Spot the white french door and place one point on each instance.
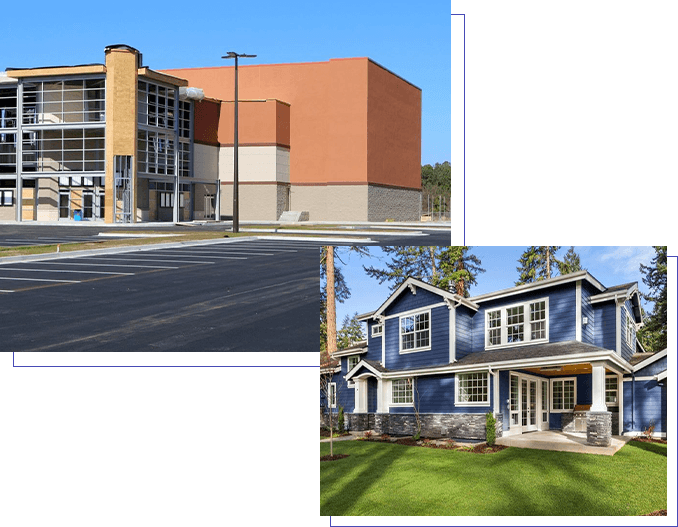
(527, 403)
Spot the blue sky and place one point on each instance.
(610, 265)
(414, 43)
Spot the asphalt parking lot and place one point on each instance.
(227, 294)
(253, 297)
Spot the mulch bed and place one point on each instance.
(479, 448)
(657, 513)
(333, 458)
(649, 440)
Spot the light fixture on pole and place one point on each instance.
(236, 222)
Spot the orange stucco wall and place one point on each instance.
(331, 108)
(259, 123)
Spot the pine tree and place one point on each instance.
(451, 268)
(351, 332)
(537, 263)
(570, 263)
(653, 333)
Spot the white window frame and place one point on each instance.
(332, 395)
(574, 400)
(616, 390)
(377, 330)
(414, 315)
(527, 324)
(348, 362)
(457, 383)
(409, 382)
(6, 198)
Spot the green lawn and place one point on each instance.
(389, 480)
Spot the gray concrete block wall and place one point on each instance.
(385, 203)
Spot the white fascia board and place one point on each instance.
(513, 364)
(423, 285)
(360, 364)
(325, 371)
(365, 316)
(558, 280)
(350, 351)
(660, 376)
(649, 360)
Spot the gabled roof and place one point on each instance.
(642, 360)
(372, 365)
(357, 348)
(413, 283)
(622, 293)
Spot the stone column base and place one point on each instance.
(599, 428)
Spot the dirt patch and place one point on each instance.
(333, 458)
(443, 444)
(657, 513)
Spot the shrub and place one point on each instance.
(367, 434)
(649, 430)
(490, 430)
(340, 420)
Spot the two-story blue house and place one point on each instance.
(559, 354)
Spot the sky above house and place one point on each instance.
(413, 43)
(609, 265)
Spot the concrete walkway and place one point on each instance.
(342, 438)
(563, 442)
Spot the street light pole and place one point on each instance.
(236, 211)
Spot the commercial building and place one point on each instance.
(120, 142)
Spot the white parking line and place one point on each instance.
(144, 260)
(6, 291)
(39, 280)
(107, 265)
(180, 255)
(62, 271)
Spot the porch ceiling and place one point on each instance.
(565, 370)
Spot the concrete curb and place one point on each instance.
(340, 233)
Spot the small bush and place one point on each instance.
(340, 420)
(367, 434)
(490, 430)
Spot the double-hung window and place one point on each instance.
(517, 324)
(377, 330)
(563, 394)
(630, 330)
(352, 361)
(473, 389)
(611, 391)
(415, 332)
(401, 392)
(332, 395)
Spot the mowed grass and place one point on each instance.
(392, 480)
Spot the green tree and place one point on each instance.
(451, 268)
(537, 263)
(653, 334)
(570, 263)
(351, 331)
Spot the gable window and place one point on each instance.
(377, 330)
(517, 324)
(401, 391)
(415, 332)
(563, 394)
(472, 389)
(611, 391)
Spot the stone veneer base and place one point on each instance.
(599, 428)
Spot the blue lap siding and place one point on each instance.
(644, 405)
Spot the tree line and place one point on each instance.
(457, 269)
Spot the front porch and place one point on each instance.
(563, 442)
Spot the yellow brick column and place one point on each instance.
(121, 119)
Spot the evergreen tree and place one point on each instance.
(653, 334)
(570, 263)
(458, 270)
(351, 331)
(537, 263)
(451, 268)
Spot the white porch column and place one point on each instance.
(598, 387)
(380, 396)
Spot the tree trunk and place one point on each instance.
(331, 305)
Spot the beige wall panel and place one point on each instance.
(7, 213)
(331, 202)
(257, 202)
(255, 163)
(48, 199)
(206, 161)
